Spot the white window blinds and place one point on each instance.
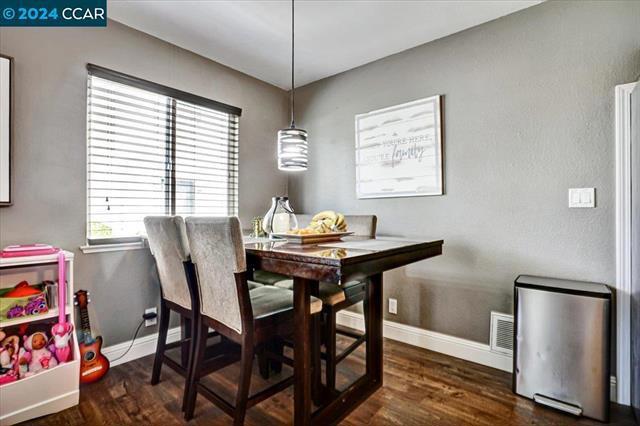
(153, 150)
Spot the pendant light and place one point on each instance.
(292, 142)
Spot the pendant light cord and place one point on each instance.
(293, 124)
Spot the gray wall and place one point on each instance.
(529, 113)
(49, 149)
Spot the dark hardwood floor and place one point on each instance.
(420, 388)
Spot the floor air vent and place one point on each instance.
(502, 333)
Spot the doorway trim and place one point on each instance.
(623, 241)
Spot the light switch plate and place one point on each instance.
(582, 197)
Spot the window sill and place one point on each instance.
(103, 248)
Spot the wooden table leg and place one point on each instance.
(374, 328)
(316, 366)
(365, 386)
(302, 350)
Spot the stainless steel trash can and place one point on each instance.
(562, 338)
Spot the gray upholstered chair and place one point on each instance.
(168, 243)
(170, 249)
(250, 319)
(335, 296)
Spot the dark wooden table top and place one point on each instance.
(337, 253)
(347, 259)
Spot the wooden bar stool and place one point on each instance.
(249, 319)
(335, 297)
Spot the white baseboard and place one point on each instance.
(613, 389)
(142, 346)
(438, 342)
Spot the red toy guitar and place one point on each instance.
(93, 365)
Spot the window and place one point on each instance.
(153, 150)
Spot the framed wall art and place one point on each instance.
(399, 150)
(5, 130)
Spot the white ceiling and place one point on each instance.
(331, 36)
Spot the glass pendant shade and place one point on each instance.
(292, 149)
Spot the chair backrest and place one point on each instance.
(360, 225)
(168, 244)
(217, 251)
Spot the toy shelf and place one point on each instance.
(9, 262)
(51, 313)
(52, 390)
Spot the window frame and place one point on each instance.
(173, 96)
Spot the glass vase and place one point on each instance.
(280, 218)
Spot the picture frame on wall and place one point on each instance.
(399, 150)
(6, 66)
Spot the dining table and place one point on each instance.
(342, 261)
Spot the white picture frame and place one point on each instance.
(5, 130)
(399, 150)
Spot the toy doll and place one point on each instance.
(9, 351)
(61, 338)
(37, 355)
(9, 347)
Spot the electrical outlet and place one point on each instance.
(152, 321)
(393, 306)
